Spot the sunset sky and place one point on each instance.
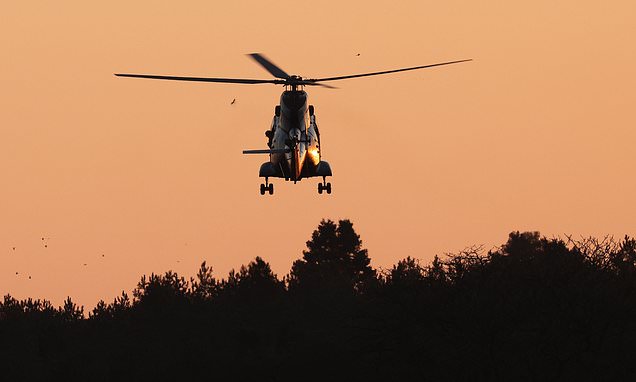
(537, 133)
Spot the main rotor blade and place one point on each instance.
(269, 66)
(201, 79)
(384, 72)
(309, 83)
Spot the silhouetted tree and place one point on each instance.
(204, 287)
(624, 259)
(119, 307)
(70, 311)
(161, 293)
(252, 282)
(435, 273)
(407, 273)
(334, 260)
(12, 309)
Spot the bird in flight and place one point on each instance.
(233, 101)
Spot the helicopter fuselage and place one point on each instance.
(295, 140)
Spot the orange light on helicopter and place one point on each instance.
(313, 153)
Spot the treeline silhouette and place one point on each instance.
(533, 309)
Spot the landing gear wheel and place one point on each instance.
(324, 186)
(267, 187)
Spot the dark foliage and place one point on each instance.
(533, 309)
(334, 261)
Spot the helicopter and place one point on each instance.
(293, 139)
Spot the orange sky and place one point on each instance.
(537, 133)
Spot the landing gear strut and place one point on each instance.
(269, 187)
(324, 186)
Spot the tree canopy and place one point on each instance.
(535, 308)
(334, 260)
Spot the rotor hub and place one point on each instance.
(294, 81)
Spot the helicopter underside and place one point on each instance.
(282, 169)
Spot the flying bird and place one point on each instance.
(233, 101)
